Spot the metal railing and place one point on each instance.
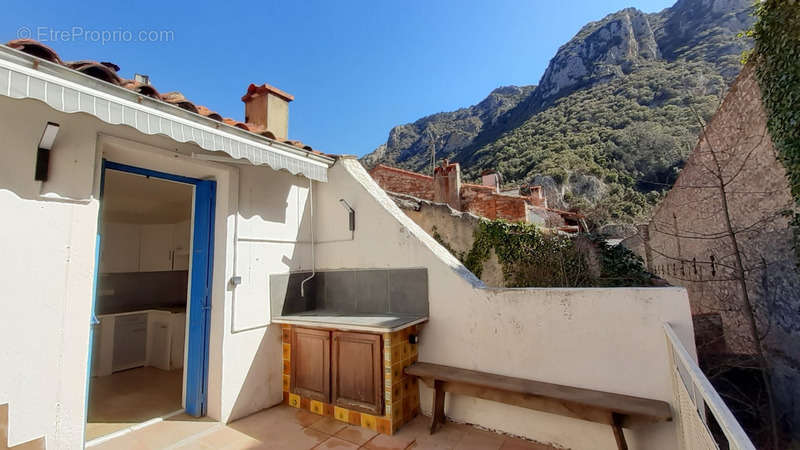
(693, 393)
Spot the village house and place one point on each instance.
(688, 244)
(484, 200)
(161, 263)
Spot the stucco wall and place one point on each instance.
(455, 228)
(45, 272)
(272, 237)
(689, 226)
(48, 262)
(605, 339)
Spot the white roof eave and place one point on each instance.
(66, 90)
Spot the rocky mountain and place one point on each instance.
(704, 30)
(447, 132)
(601, 51)
(612, 118)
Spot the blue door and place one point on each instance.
(199, 308)
(200, 298)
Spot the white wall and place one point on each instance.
(46, 271)
(272, 219)
(605, 339)
(47, 250)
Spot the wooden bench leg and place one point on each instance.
(437, 413)
(616, 425)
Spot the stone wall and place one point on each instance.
(398, 180)
(484, 201)
(686, 241)
(454, 229)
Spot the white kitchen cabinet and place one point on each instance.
(158, 339)
(178, 339)
(155, 248)
(119, 247)
(144, 338)
(127, 247)
(103, 346)
(181, 242)
(97, 339)
(130, 341)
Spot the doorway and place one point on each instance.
(149, 340)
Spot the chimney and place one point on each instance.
(537, 196)
(141, 78)
(491, 178)
(267, 108)
(447, 184)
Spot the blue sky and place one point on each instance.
(356, 68)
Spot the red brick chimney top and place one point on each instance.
(446, 168)
(254, 91)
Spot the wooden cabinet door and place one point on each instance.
(357, 372)
(311, 363)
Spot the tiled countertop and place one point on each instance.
(170, 309)
(377, 323)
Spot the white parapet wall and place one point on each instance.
(608, 339)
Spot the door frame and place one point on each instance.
(200, 281)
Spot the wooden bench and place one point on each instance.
(616, 410)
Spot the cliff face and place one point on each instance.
(447, 132)
(704, 30)
(661, 67)
(601, 51)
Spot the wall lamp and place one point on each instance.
(351, 212)
(43, 152)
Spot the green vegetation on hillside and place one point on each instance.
(531, 257)
(611, 120)
(633, 134)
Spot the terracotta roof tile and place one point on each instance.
(144, 89)
(203, 111)
(85, 62)
(107, 71)
(96, 70)
(177, 99)
(236, 123)
(35, 48)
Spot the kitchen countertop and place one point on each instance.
(377, 323)
(170, 309)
